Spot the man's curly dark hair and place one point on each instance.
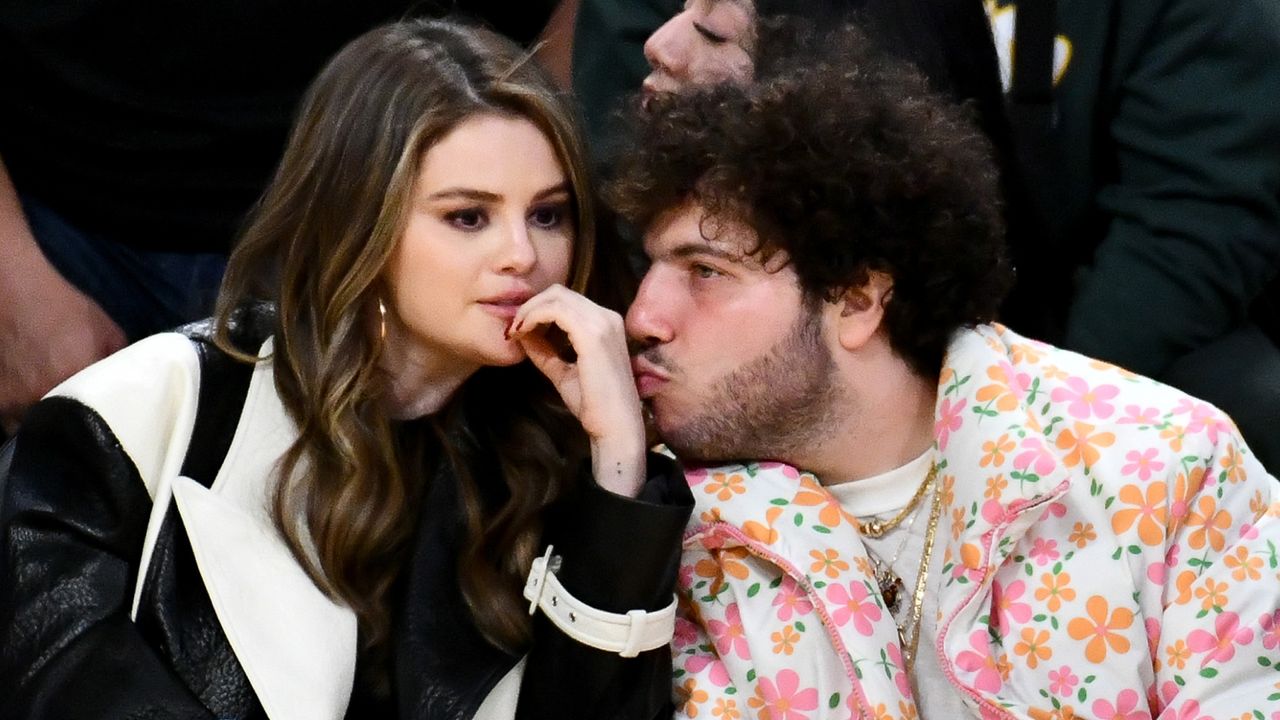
(849, 165)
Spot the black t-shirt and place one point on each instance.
(157, 124)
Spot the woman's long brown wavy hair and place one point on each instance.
(317, 248)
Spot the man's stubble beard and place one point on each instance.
(776, 407)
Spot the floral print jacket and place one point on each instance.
(1110, 550)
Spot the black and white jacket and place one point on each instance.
(224, 623)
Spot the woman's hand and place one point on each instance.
(594, 379)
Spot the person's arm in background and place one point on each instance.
(48, 328)
(1194, 210)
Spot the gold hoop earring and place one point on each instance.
(382, 321)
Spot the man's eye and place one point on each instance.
(468, 219)
(704, 271)
(548, 217)
(712, 37)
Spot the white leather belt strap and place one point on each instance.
(627, 634)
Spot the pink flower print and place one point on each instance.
(900, 674)
(979, 660)
(1270, 630)
(719, 674)
(1055, 509)
(783, 700)
(684, 578)
(1204, 418)
(1004, 598)
(1221, 643)
(1062, 682)
(992, 511)
(791, 600)
(1035, 456)
(853, 603)
(1142, 464)
(731, 636)
(949, 420)
(1190, 710)
(1152, 626)
(1136, 415)
(1125, 708)
(686, 634)
(1086, 402)
(1044, 551)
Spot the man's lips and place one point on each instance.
(648, 377)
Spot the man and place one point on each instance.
(931, 516)
(1143, 211)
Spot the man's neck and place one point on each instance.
(890, 424)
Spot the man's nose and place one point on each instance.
(648, 320)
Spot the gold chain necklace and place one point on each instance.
(910, 644)
(877, 528)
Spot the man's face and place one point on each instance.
(732, 362)
(707, 42)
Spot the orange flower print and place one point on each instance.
(907, 710)
(881, 712)
(1083, 443)
(1148, 510)
(1007, 390)
(1257, 505)
(1063, 713)
(812, 494)
(1183, 584)
(1053, 372)
(693, 696)
(1185, 488)
(726, 710)
(1100, 629)
(764, 532)
(828, 562)
(725, 485)
(1209, 522)
(1178, 654)
(994, 451)
(1175, 434)
(995, 486)
(1082, 534)
(957, 522)
(1025, 353)
(1055, 590)
(785, 640)
(948, 489)
(1243, 567)
(1212, 595)
(1034, 644)
(1233, 465)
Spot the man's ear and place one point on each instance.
(861, 310)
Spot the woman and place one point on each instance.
(328, 501)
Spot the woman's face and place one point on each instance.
(707, 42)
(490, 224)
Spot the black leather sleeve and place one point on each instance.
(618, 555)
(72, 521)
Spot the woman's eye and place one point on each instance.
(468, 219)
(547, 217)
(712, 37)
